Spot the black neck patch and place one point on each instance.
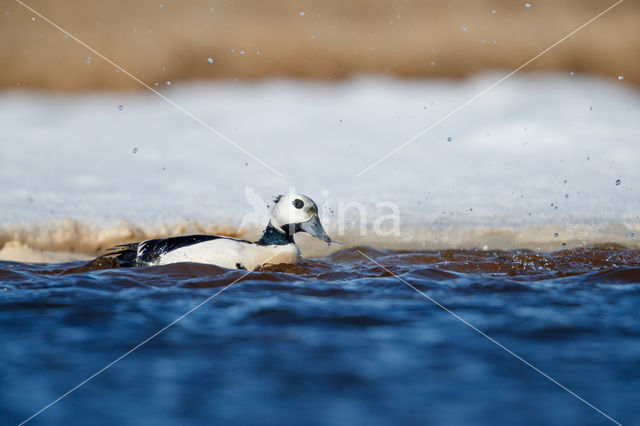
(274, 237)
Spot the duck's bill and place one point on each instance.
(314, 227)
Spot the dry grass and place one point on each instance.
(334, 39)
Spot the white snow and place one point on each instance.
(72, 159)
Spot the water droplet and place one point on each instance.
(120, 107)
(564, 181)
(433, 64)
(555, 235)
(168, 83)
(246, 163)
(33, 18)
(156, 84)
(449, 139)
(258, 52)
(564, 245)
(527, 5)
(301, 13)
(210, 60)
(571, 73)
(631, 234)
(161, 5)
(464, 28)
(618, 182)
(242, 52)
(135, 150)
(493, 11)
(620, 77)
(566, 195)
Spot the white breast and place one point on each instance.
(230, 253)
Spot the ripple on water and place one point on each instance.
(337, 336)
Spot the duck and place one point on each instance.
(291, 213)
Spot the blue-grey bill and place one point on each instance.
(314, 227)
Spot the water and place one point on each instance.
(335, 340)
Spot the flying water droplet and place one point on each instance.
(301, 13)
(120, 107)
(528, 5)
(210, 60)
(464, 28)
(555, 235)
(135, 150)
(620, 77)
(618, 182)
(564, 245)
(449, 139)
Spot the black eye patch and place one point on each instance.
(298, 203)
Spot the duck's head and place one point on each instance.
(295, 213)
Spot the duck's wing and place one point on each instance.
(149, 252)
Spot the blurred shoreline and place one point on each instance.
(166, 41)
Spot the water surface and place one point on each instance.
(337, 340)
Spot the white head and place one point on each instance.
(296, 212)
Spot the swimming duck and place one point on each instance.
(291, 213)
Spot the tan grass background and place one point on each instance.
(170, 40)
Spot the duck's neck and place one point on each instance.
(272, 236)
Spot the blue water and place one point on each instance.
(332, 341)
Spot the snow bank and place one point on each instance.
(538, 155)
